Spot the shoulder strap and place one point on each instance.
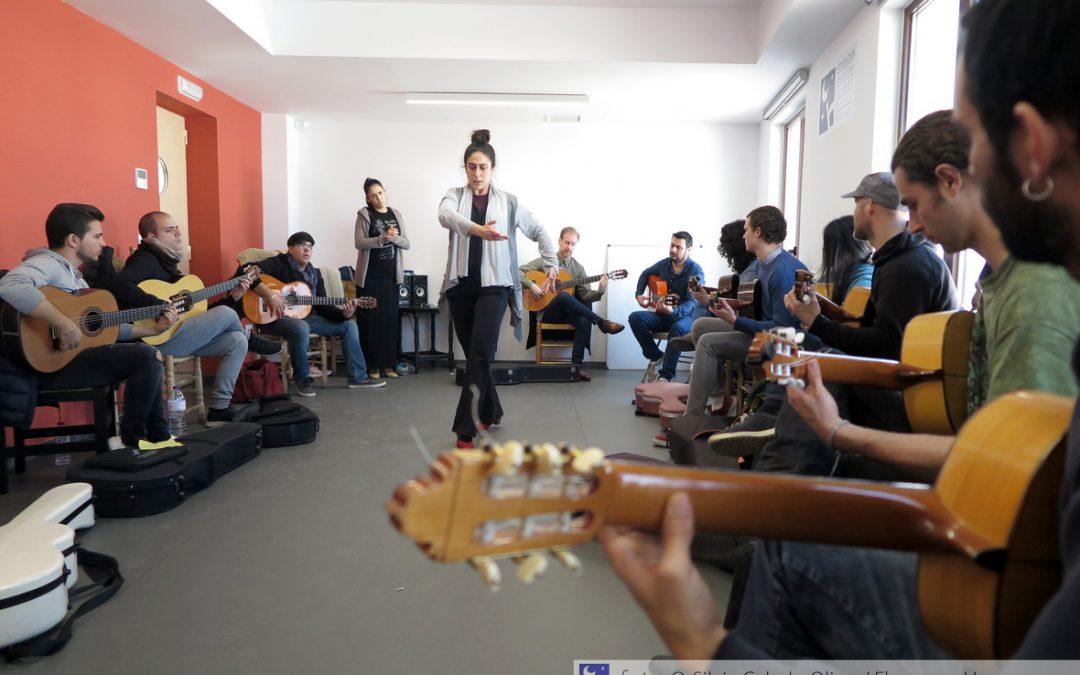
(104, 571)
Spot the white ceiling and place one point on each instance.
(637, 60)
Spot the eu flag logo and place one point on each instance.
(593, 669)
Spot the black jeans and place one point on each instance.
(379, 336)
(133, 362)
(565, 308)
(478, 314)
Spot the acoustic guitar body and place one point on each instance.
(258, 310)
(938, 342)
(1002, 479)
(169, 292)
(535, 304)
(32, 341)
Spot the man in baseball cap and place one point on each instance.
(879, 188)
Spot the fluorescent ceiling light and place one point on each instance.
(793, 86)
(458, 98)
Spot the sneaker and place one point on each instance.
(401, 368)
(652, 369)
(370, 383)
(583, 376)
(661, 379)
(389, 373)
(744, 438)
(305, 388)
(215, 417)
(660, 440)
(683, 343)
(262, 346)
(610, 327)
(374, 374)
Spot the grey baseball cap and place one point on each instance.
(880, 188)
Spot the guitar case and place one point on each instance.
(132, 489)
(40, 561)
(283, 422)
(649, 396)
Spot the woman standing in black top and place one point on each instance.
(380, 242)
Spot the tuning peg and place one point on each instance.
(508, 458)
(585, 461)
(568, 559)
(799, 337)
(530, 567)
(489, 572)
(548, 458)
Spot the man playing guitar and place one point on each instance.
(217, 332)
(574, 308)
(75, 237)
(675, 271)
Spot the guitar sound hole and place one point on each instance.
(92, 322)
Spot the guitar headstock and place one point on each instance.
(694, 284)
(367, 302)
(804, 286)
(777, 353)
(505, 501)
(616, 275)
(251, 272)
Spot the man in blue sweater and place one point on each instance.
(675, 320)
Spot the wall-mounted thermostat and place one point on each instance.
(142, 179)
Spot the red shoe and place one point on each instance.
(660, 440)
(465, 444)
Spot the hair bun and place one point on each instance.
(481, 136)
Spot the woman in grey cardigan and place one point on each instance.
(482, 276)
(380, 242)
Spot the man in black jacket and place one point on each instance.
(324, 320)
(216, 332)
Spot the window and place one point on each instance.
(791, 189)
(928, 82)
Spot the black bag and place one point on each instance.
(212, 453)
(283, 422)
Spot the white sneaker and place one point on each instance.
(651, 370)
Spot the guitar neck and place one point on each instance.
(318, 300)
(853, 513)
(215, 290)
(119, 317)
(861, 371)
(572, 283)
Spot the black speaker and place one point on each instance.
(419, 290)
(404, 290)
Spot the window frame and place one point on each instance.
(799, 117)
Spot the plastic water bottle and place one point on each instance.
(177, 409)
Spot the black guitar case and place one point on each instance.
(283, 422)
(124, 489)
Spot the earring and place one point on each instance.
(1025, 189)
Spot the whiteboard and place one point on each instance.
(623, 352)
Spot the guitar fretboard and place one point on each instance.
(216, 289)
(313, 300)
(570, 283)
(117, 318)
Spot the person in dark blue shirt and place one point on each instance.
(659, 317)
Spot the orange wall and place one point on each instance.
(78, 115)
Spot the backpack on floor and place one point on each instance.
(283, 422)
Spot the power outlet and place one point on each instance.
(142, 179)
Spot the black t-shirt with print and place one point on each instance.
(382, 262)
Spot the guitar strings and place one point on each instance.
(428, 461)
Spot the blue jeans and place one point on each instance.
(217, 332)
(347, 330)
(834, 602)
(644, 324)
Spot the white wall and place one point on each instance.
(834, 163)
(281, 178)
(616, 184)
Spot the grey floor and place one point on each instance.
(289, 564)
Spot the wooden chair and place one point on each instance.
(194, 377)
(553, 341)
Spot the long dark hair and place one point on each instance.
(732, 248)
(840, 252)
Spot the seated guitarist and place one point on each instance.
(295, 265)
(75, 237)
(572, 308)
(216, 332)
(676, 271)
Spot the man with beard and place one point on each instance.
(216, 332)
(1018, 99)
(75, 237)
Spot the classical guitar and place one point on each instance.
(850, 312)
(298, 301)
(36, 342)
(987, 530)
(188, 296)
(563, 284)
(658, 293)
(738, 296)
(931, 373)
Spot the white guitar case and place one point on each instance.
(38, 562)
